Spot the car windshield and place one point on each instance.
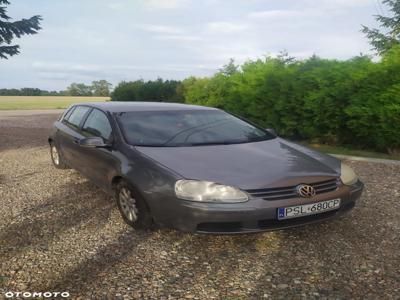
(182, 128)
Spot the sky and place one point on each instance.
(86, 40)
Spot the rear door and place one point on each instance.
(70, 135)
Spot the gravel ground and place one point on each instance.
(58, 232)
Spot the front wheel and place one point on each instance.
(57, 160)
(132, 207)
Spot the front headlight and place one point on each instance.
(206, 191)
(347, 175)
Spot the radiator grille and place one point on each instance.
(290, 191)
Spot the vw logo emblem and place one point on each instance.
(305, 191)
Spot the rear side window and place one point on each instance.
(68, 114)
(97, 124)
(77, 115)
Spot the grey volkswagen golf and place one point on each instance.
(199, 169)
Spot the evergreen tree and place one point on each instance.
(382, 41)
(14, 29)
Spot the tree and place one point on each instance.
(79, 89)
(229, 69)
(101, 88)
(127, 91)
(158, 90)
(285, 58)
(10, 30)
(382, 41)
(31, 91)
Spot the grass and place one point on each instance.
(349, 151)
(43, 102)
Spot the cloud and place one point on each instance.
(76, 71)
(116, 6)
(165, 4)
(131, 39)
(161, 29)
(341, 3)
(177, 37)
(333, 46)
(62, 71)
(226, 27)
(275, 14)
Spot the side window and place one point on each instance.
(68, 114)
(77, 115)
(97, 124)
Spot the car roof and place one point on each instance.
(116, 107)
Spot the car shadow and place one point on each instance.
(212, 260)
(92, 269)
(307, 259)
(39, 225)
(192, 257)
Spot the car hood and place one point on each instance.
(274, 162)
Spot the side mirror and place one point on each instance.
(93, 142)
(272, 131)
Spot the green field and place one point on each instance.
(44, 102)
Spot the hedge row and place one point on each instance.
(152, 90)
(353, 102)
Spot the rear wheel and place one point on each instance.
(132, 207)
(56, 158)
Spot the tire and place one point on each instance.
(56, 158)
(132, 207)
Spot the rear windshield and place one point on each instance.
(187, 128)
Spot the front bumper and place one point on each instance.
(256, 215)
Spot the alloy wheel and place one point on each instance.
(54, 155)
(128, 204)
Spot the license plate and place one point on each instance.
(307, 209)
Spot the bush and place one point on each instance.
(353, 102)
(139, 90)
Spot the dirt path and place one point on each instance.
(29, 112)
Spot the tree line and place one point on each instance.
(99, 88)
